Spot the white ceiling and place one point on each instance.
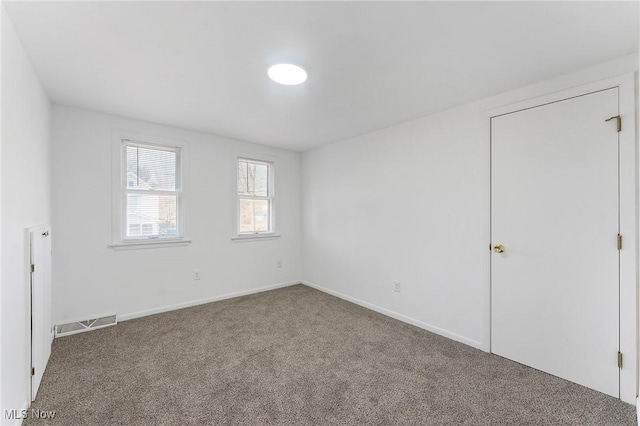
(203, 65)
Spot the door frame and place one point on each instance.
(29, 282)
(629, 219)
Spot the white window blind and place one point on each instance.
(255, 197)
(151, 191)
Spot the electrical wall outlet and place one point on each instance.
(278, 263)
(196, 275)
(396, 286)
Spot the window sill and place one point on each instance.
(255, 237)
(149, 244)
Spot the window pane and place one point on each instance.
(151, 216)
(134, 229)
(147, 229)
(254, 215)
(261, 179)
(253, 178)
(242, 178)
(151, 169)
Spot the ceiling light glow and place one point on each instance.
(287, 74)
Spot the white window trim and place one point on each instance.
(143, 244)
(117, 200)
(273, 178)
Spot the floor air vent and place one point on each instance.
(86, 325)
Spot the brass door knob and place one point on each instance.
(499, 248)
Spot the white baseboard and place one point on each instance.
(638, 409)
(398, 316)
(125, 317)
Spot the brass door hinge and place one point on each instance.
(618, 122)
(619, 241)
(33, 267)
(33, 371)
(619, 359)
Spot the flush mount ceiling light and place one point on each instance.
(287, 74)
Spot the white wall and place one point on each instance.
(406, 203)
(25, 168)
(411, 203)
(91, 279)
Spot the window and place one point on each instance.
(151, 191)
(255, 197)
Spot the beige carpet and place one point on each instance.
(296, 356)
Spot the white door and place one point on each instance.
(41, 324)
(554, 209)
